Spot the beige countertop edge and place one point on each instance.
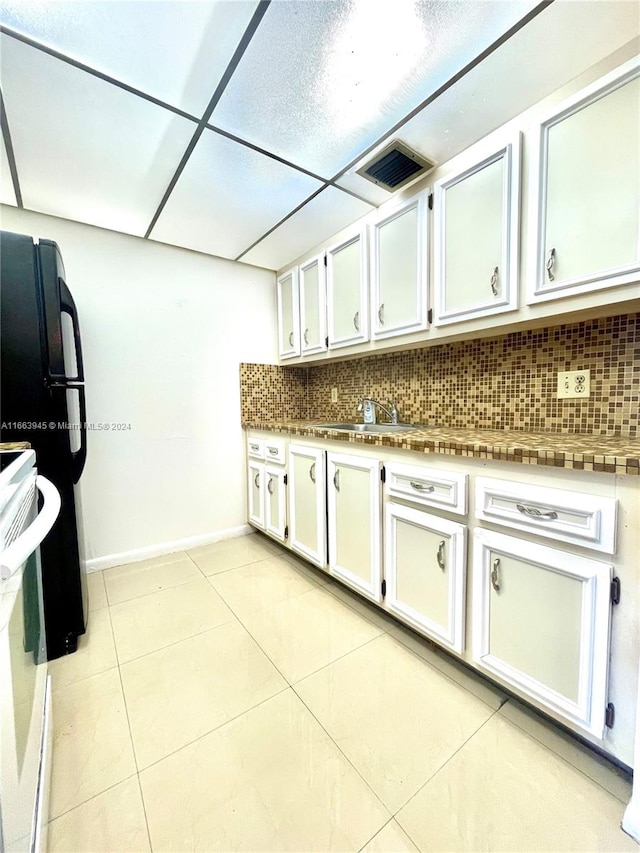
(609, 454)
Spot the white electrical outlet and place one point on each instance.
(334, 395)
(574, 383)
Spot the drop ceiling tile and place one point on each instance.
(357, 184)
(85, 149)
(352, 68)
(175, 50)
(329, 212)
(227, 196)
(7, 195)
(572, 37)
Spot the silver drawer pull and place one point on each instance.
(494, 282)
(270, 486)
(312, 472)
(336, 479)
(421, 487)
(551, 262)
(440, 555)
(356, 321)
(533, 511)
(273, 451)
(256, 480)
(254, 447)
(494, 575)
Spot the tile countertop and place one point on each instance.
(612, 454)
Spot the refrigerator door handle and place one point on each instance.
(69, 307)
(79, 457)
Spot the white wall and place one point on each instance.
(163, 330)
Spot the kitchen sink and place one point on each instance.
(369, 428)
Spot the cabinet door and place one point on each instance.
(588, 204)
(476, 238)
(541, 623)
(425, 571)
(288, 314)
(399, 270)
(313, 309)
(275, 520)
(347, 292)
(353, 509)
(255, 492)
(307, 503)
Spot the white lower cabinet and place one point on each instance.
(425, 569)
(353, 517)
(255, 488)
(266, 486)
(541, 621)
(275, 502)
(307, 503)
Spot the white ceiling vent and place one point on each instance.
(395, 166)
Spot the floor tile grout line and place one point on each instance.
(154, 591)
(93, 797)
(342, 657)
(391, 820)
(443, 765)
(561, 757)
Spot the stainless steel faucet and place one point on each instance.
(391, 412)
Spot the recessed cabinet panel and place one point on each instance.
(288, 315)
(425, 573)
(541, 623)
(255, 482)
(353, 504)
(476, 238)
(307, 503)
(588, 216)
(399, 271)
(347, 292)
(313, 311)
(275, 501)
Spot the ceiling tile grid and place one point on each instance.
(113, 119)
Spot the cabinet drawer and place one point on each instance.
(428, 486)
(274, 451)
(255, 447)
(587, 520)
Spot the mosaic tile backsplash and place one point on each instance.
(506, 383)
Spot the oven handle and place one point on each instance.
(20, 550)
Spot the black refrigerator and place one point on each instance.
(42, 401)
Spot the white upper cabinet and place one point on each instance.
(288, 314)
(313, 309)
(586, 220)
(476, 223)
(347, 292)
(399, 270)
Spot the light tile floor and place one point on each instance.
(233, 698)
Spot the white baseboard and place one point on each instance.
(631, 819)
(98, 563)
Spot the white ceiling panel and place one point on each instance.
(228, 196)
(367, 189)
(85, 149)
(175, 50)
(566, 39)
(7, 195)
(320, 81)
(329, 212)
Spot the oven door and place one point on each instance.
(23, 665)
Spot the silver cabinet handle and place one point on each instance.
(381, 314)
(312, 472)
(254, 447)
(494, 282)
(256, 480)
(494, 575)
(273, 451)
(306, 336)
(270, 486)
(440, 555)
(290, 339)
(356, 321)
(421, 487)
(549, 515)
(551, 262)
(336, 479)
